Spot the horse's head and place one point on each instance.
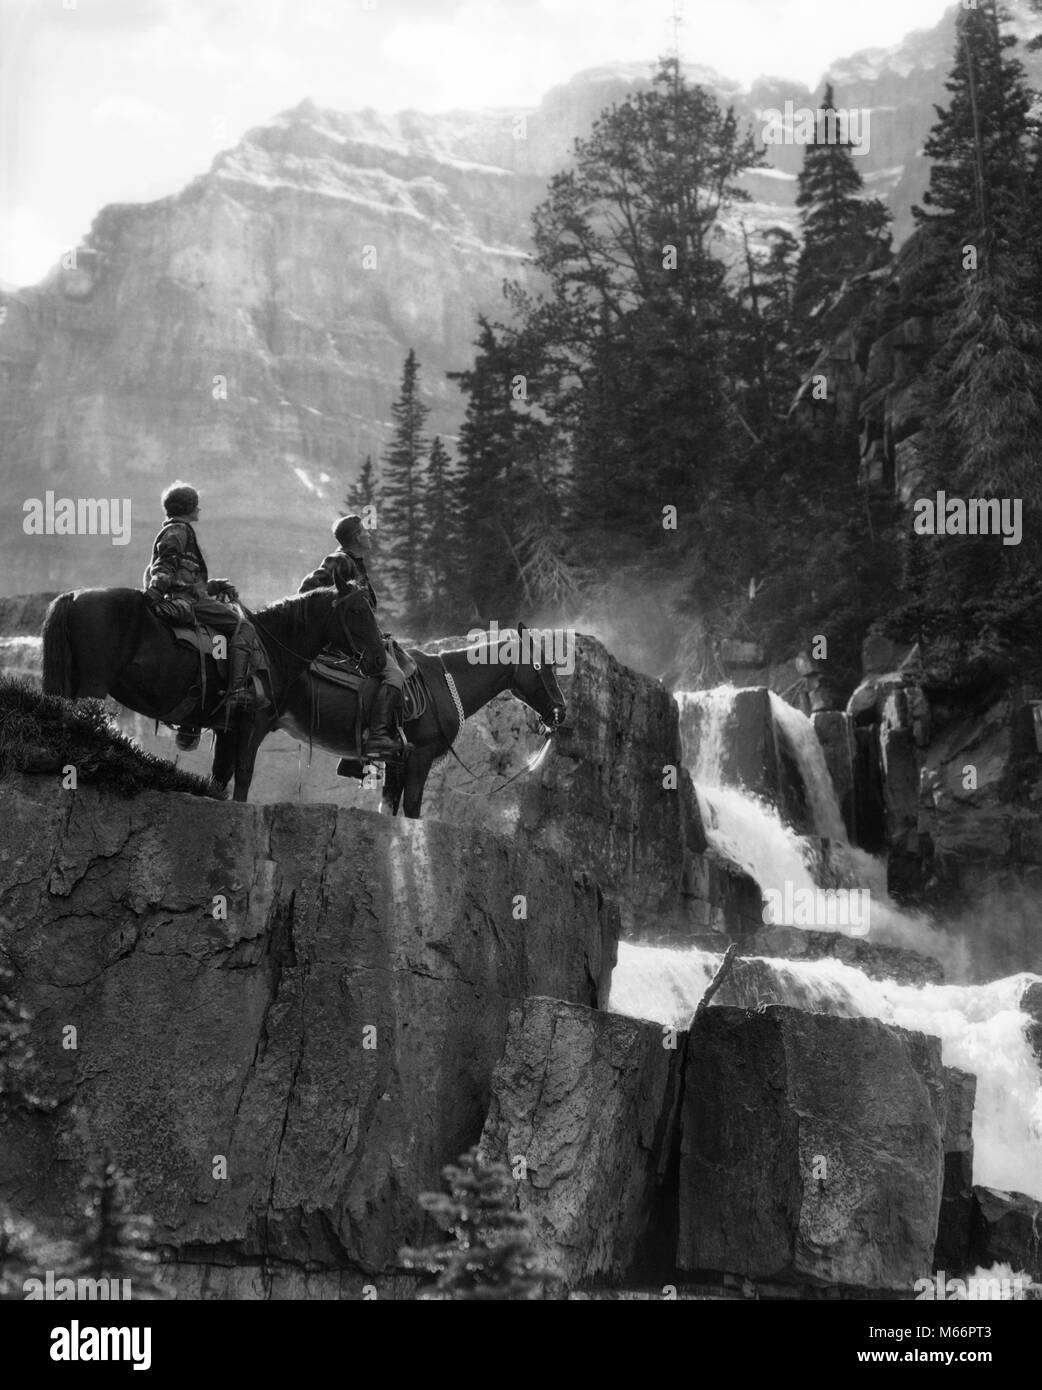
(535, 682)
(354, 624)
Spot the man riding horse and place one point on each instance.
(178, 590)
(349, 562)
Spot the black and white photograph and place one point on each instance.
(520, 673)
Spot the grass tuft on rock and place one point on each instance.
(42, 734)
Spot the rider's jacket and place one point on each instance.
(177, 569)
(350, 567)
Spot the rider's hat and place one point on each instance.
(349, 532)
(180, 499)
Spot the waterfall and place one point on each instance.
(805, 746)
(981, 1027)
(742, 829)
(752, 834)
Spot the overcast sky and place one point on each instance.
(124, 100)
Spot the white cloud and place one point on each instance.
(28, 249)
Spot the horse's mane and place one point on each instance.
(293, 606)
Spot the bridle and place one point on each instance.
(537, 666)
(538, 756)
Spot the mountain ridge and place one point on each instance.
(248, 331)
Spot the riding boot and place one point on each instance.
(382, 741)
(241, 694)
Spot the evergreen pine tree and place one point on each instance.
(442, 553)
(975, 601)
(843, 230)
(631, 337)
(117, 1243)
(485, 486)
(977, 148)
(363, 499)
(363, 492)
(492, 1252)
(402, 521)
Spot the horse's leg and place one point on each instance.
(391, 796)
(247, 740)
(223, 757)
(417, 768)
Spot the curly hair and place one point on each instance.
(180, 499)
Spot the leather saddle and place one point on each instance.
(200, 639)
(345, 671)
(404, 660)
(342, 671)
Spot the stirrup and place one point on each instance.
(395, 747)
(187, 739)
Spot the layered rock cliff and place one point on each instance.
(283, 1019)
(249, 331)
(316, 997)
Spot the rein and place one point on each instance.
(530, 766)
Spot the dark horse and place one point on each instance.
(99, 642)
(324, 714)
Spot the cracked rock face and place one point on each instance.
(598, 798)
(589, 1101)
(812, 1148)
(318, 996)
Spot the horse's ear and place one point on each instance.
(339, 580)
(520, 627)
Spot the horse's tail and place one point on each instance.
(59, 671)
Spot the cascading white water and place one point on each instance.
(981, 1027)
(798, 733)
(743, 830)
(751, 833)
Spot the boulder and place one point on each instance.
(1007, 1229)
(1031, 1003)
(836, 737)
(900, 767)
(316, 996)
(587, 1101)
(952, 1251)
(811, 1149)
(868, 779)
(879, 962)
(599, 797)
